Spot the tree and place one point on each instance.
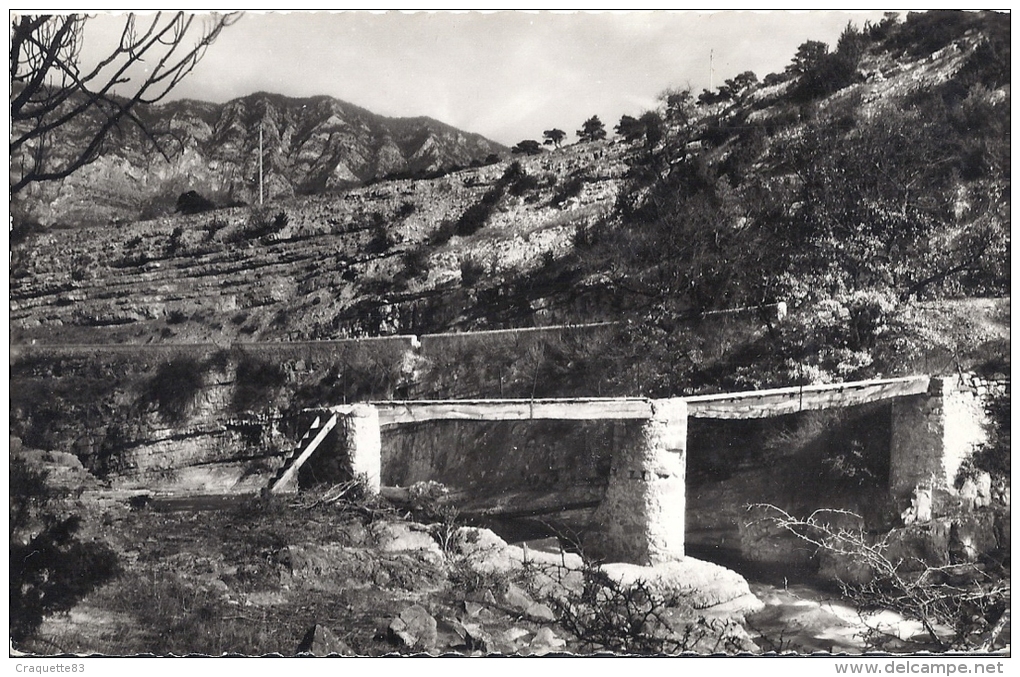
(527, 147)
(809, 54)
(593, 129)
(630, 129)
(554, 137)
(652, 124)
(51, 569)
(647, 127)
(739, 85)
(53, 92)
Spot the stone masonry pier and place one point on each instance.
(640, 519)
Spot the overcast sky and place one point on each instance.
(506, 75)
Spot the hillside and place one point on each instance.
(860, 181)
(846, 219)
(311, 146)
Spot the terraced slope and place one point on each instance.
(373, 260)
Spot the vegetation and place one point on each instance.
(471, 271)
(256, 383)
(554, 137)
(847, 220)
(50, 91)
(193, 203)
(592, 130)
(175, 386)
(963, 605)
(638, 618)
(261, 225)
(527, 147)
(51, 569)
(852, 211)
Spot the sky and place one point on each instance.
(507, 75)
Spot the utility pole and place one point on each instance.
(260, 163)
(711, 69)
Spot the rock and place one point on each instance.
(972, 536)
(415, 629)
(545, 641)
(407, 537)
(477, 639)
(920, 507)
(321, 641)
(706, 586)
(67, 460)
(451, 633)
(514, 634)
(517, 599)
(472, 608)
(976, 491)
(305, 559)
(761, 540)
(483, 551)
(540, 612)
(837, 567)
(919, 545)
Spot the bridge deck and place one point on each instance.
(749, 404)
(582, 409)
(779, 401)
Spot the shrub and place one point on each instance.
(176, 316)
(193, 203)
(213, 227)
(380, 241)
(569, 190)
(471, 270)
(53, 570)
(174, 387)
(416, 264)
(175, 245)
(523, 184)
(256, 383)
(261, 226)
(637, 618)
(962, 607)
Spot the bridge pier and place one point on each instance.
(932, 435)
(641, 518)
(364, 444)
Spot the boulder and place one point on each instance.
(972, 536)
(321, 641)
(920, 545)
(704, 585)
(483, 551)
(407, 537)
(545, 641)
(477, 639)
(415, 629)
(976, 491)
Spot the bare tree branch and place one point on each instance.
(50, 93)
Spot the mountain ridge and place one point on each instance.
(311, 145)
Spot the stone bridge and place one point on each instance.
(640, 518)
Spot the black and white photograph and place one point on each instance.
(507, 333)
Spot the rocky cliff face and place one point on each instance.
(310, 146)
